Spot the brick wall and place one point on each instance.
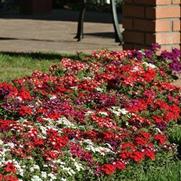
(151, 21)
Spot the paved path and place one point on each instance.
(54, 33)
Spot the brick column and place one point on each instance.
(152, 21)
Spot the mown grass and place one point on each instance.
(15, 65)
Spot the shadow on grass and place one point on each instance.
(42, 56)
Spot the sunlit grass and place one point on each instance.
(15, 65)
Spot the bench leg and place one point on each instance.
(118, 34)
(80, 26)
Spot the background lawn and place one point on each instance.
(14, 65)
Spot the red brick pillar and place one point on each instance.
(152, 21)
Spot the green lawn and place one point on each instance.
(14, 65)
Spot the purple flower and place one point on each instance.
(138, 54)
(155, 47)
(148, 54)
(176, 66)
(3, 92)
(176, 52)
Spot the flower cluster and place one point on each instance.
(90, 118)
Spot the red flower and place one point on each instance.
(160, 138)
(137, 105)
(57, 142)
(149, 75)
(54, 115)
(91, 134)
(120, 165)
(24, 94)
(1, 177)
(157, 119)
(150, 154)
(9, 167)
(145, 135)
(168, 86)
(19, 152)
(125, 154)
(38, 141)
(49, 155)
(128, 146)
(108, 169)
(143, 138)
(173, 113)
(7, 90)
(108, 135)
(163, 105)
(25, 110)
(5, 125)
(140, 141)
(10, 178)
(137, 156)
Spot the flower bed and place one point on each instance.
(91, 118)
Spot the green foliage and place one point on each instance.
(175, 134)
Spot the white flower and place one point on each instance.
(52, 176)
(101, 150)
(69, 170)
(157, 129)
(75, 87)
(110, 147)
(99, 89)
(118, 111)
(87, 78)
(53, 97)
(19, 98)
(31, 169)
(103, 113)
(91, 148)
(11, 145)
(43, 174)
(65, 121)
(149, 65)
(88, 141)
(18, 167)
(135, 69)
(36, 167)
(63, 179)
(36, 178)
(89, 113)
(60, 162)
(78, 166)
(124, 111)
(1, 142)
